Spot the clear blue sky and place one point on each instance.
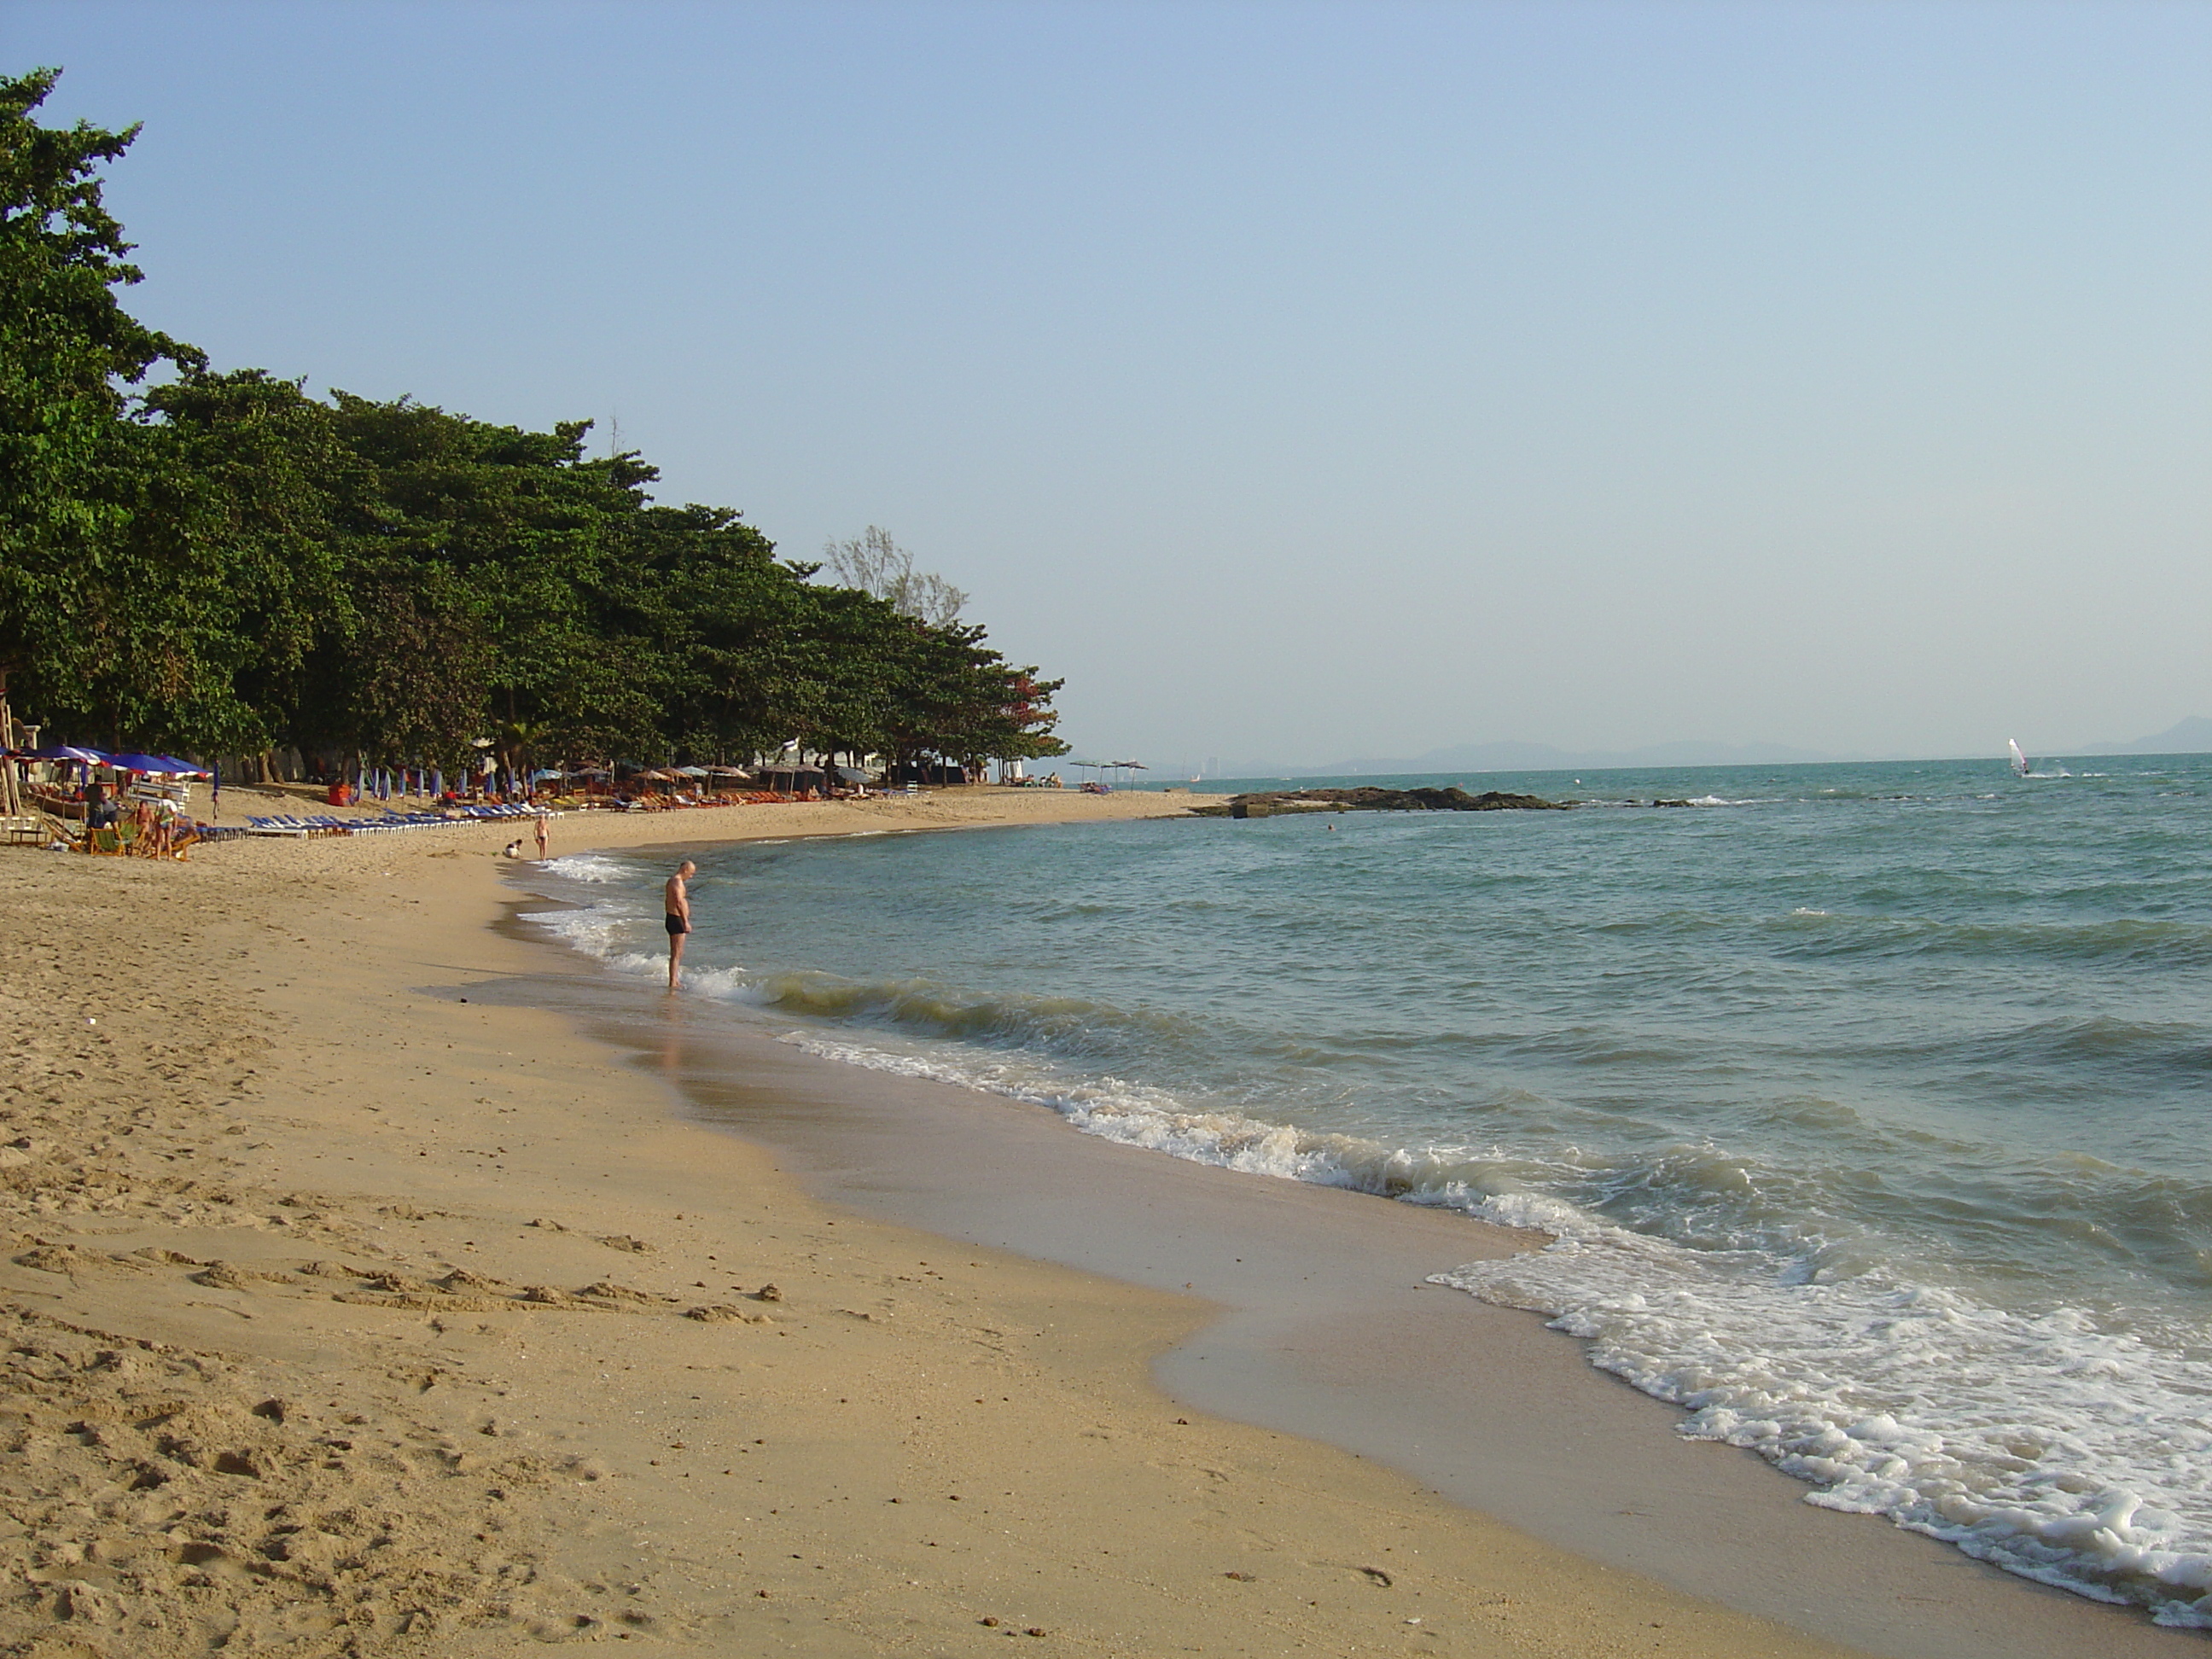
(1302, 382)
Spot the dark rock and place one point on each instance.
(1267, 803)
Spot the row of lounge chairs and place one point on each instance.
(323, 823)
(658, 803)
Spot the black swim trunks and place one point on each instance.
(676, 924)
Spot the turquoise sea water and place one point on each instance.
(1866, 1105)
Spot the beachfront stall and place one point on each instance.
(119, 805)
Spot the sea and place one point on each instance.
(1868, 1109)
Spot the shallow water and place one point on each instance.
(1865, 1102)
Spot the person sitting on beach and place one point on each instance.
(512, 849)
(676, 903)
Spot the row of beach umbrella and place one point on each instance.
(376, 781)
(150, 763)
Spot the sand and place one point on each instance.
(359, 1302)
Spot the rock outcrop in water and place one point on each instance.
(1265, 803)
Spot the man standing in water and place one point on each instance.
(676, 901)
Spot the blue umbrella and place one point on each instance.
(138, 763)
(184, 767)
(63, 752)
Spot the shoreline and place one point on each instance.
(521, 1160)
(1315, 1322)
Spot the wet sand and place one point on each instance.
(382, 1281)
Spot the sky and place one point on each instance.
(1301, 382)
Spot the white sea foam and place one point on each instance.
(593, 867)
(1138, 1114)
(1130, 1113)
(601, 930)
(1902, 1400)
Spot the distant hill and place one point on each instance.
(2190, 737)
(1543, 757)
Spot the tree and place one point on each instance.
(873, 563)
(221, 563)
(723, 621)
(73, 468)
(260, 469)
(499, 552)
(956, 698)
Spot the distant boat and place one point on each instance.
(2020, 766)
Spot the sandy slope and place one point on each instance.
(353, 1308)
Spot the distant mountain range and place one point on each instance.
(1543, 757)
(2190, 737)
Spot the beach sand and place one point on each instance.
(372, 1286)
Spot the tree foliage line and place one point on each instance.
(219, 563)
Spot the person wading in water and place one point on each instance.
(676, 901)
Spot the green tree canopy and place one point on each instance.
(73, 468)
(220, 563)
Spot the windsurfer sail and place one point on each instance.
(2019, 760)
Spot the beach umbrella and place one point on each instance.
(138, 763)
(184, 768)
(63, 752)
